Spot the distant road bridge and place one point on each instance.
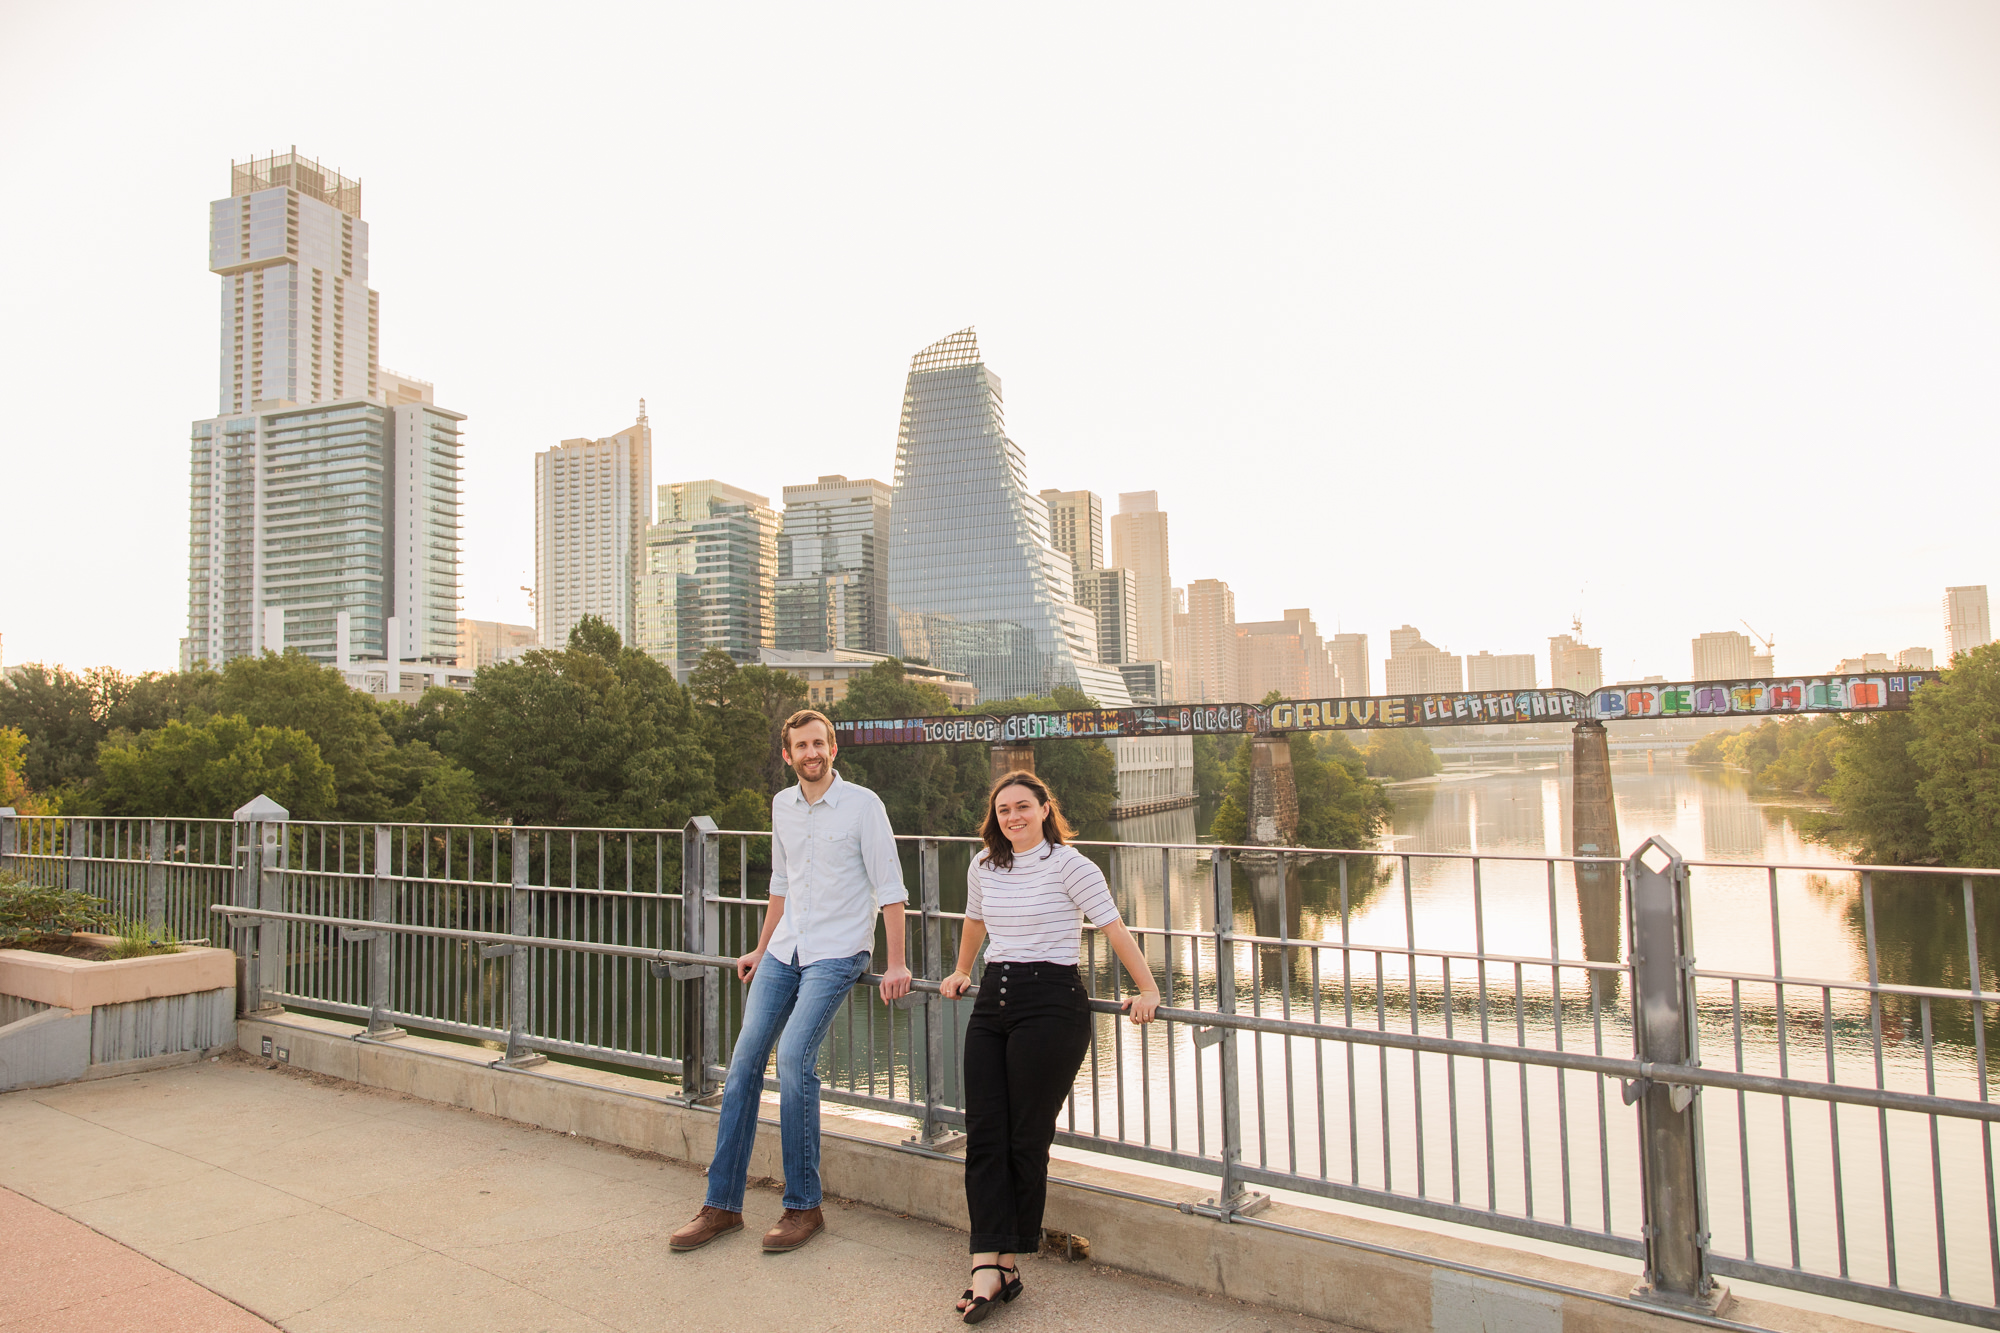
(1555, 747)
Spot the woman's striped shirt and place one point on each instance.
(1033, 911)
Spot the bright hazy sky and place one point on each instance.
(1472, 316)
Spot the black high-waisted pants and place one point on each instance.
(1029, 1032)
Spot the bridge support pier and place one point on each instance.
(1273, 816)
(1593, 818)
(1013, 757)
(1593, 831)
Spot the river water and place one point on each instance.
(1788, 1180)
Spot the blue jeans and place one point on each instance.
(790, 1005)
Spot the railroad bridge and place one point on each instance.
(1274, 804)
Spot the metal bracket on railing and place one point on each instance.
(1681, 1095)
(488, 952)
(354, 935)
(913, 1000)
(241, 920)
(1206, 1037)
(677, 971)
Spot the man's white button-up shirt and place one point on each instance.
(834, 863)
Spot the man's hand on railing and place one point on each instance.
(895, 982)
(746, 966)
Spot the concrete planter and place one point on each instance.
(72, 1018)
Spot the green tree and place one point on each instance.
(1958, 748)
(595, 734)
(132, 704)
(745, 708)
(1873, 792)
(417, 785)
(425, 720)
(936, 789)
(1211, 764)
(209, 770)
(1400, 754)
(291, 690)
(1339, 804)
(57, 710)
(14, 790)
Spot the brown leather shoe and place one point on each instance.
(707, 1225)
(794, 1229)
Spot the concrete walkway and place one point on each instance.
(318, 1204)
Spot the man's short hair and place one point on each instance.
(799, 719)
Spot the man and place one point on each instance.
(833, 863)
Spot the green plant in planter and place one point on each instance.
(30, 911)
(136, 939)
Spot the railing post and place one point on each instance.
(701, 995)
(1663, 1013)
(935, 1134)
(156, 877)
(520, 921)
(1231, 1197)
(382, 943)
(10, 836)
(74, 866)
(263, 885)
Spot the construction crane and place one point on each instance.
(1770, 645)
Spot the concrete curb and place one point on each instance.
(1352, 1271)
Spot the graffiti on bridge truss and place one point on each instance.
(1472, 708)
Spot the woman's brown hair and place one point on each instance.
(1055, 829)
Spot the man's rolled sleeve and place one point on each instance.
(878, 854)
(779, 881)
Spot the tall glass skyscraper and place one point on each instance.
(833, 574)
(975, 584)
(710, 566)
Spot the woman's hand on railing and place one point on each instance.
(1143, 1006)
(954, 985)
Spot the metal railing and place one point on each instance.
(1522, 1044)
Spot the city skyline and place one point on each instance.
(1268, 394)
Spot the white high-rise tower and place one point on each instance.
(324, 496)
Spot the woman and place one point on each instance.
(1031, 1024)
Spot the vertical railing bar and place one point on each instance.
(1319, 1064)
(1416, 1024)
(1381, 1055)
(1451, 1079)
(1833, 1130)
(1194, 999)
(1256, 1041)
(1562, 1076)
(1096, 1075)
(1881, 1114)
(1347, 1020)
(1485, 1034)
(1742, 1121)
(1171, 993)
(1521, 1070)
(1784, 1064)
(1976, 984)
(1937, 1168)
(1603, 1128)
(1285, 1012)
(1117, 1036)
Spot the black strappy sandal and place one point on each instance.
(981, 1306)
